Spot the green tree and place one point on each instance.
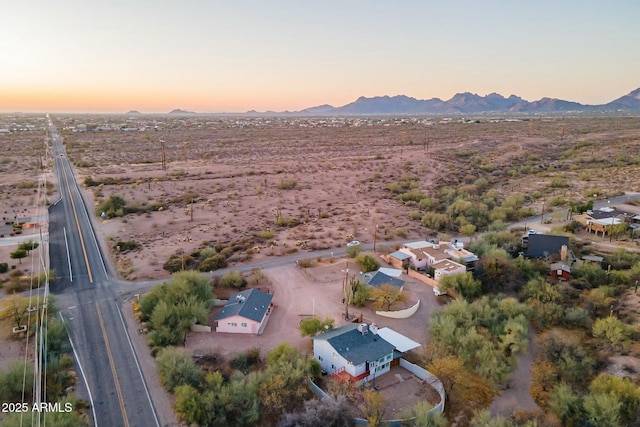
(170, 308)
(310, 326)
(368, 262)
(11, 381)
(425, 416)
(176, 368)
(233, 279)
(624, 391)
(566, 405)
(602, 410)
(611, 333)
(463, 283)
(361, 295)
(466, 391)
(28, 246)
(18, 254)
(354, 250)
(374, 407)
(387, 295)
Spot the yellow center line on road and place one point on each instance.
(75, 214)
(113, 367)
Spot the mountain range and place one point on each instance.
(469, 103)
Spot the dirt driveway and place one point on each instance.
(299, 293)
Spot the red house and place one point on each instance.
(560, 271)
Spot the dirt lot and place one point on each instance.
(299, 293)
(225, 180)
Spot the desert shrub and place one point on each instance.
(207, 252)
(287, 183)
(353, 251)
(558, 182)
(266, 234)
(368, 262)
(176, 367)
(621, 259)
(214, 262)
(435, 221)
(113, 207)
(233, 279)
(577, 317)
(90, 182)
(179, 262)
(415, 215)
(557, 201)
(4, 267)
(414, 195)
(307, 263)
(129, 245)
(286, 221)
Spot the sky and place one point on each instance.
(234, 56)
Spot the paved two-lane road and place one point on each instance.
(91, 311)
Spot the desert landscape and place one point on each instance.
(271, 186)
(166, 189)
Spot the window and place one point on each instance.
(234, 324)
(388, 357)
(320, 358)
(244, 325)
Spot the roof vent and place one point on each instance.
(363, 328)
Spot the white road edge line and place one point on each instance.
(75, 353)
(68, 256)
(135, 358)
(93, 234)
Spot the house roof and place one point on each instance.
(447, 264)
(392, 272)
(354, 346)
(418, 245)
(541, 245)
(251, 304)
(606, 212)
(560, 266)
(399, 255)
(378, 279)
(399, 341)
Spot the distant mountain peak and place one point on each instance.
(180, 112)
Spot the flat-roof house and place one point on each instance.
(425, 254)
(446, 268)
(246, 312)
(359, 352)
(399, 259)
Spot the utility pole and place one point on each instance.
(346, 292)
(186, 152)
(164, 160)
(542, 216)
(375, 238)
